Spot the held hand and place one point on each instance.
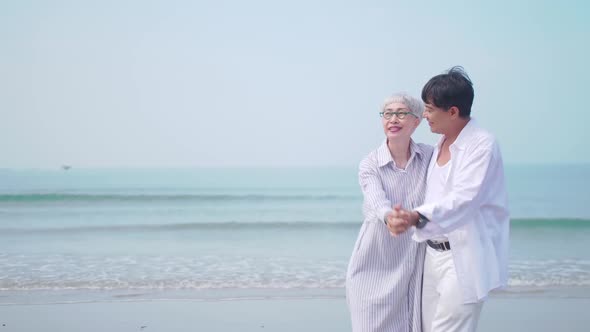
(410, 216)
(397, 209)
(397, 221)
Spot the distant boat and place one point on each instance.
(66, 167)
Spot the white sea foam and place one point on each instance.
(67, 272)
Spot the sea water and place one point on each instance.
(109, 234)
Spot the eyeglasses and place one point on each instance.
(387, 115)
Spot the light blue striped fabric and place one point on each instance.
(384, 278)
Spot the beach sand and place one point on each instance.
(503, 313)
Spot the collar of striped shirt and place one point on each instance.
(384, 156)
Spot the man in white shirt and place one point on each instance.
(464, 218)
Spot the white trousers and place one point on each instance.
(443, 309)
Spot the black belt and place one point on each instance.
(442, 246)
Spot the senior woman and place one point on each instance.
(383, 281)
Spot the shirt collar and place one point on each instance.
(464, 136)
(384, 156)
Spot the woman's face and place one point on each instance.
(396, 128)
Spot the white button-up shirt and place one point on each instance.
(473, 213)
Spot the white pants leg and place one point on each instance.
(443, 309)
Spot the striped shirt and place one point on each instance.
(383, 281)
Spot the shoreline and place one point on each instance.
(84, 296)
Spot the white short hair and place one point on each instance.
(415, 105)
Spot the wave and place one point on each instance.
(550, 223)
(248, 225)
(514, 285)
(66, 197)
(230, 225)
(212, 272)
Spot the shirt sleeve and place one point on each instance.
(372, 189)
(461, 203)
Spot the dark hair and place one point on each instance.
(453, 88)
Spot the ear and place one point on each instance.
(454, 112)
(416, 122)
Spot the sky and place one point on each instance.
(279, 83)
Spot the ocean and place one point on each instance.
(120, 234)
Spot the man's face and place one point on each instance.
(438, 119)
(398, 121)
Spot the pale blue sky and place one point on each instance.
(278, 83)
